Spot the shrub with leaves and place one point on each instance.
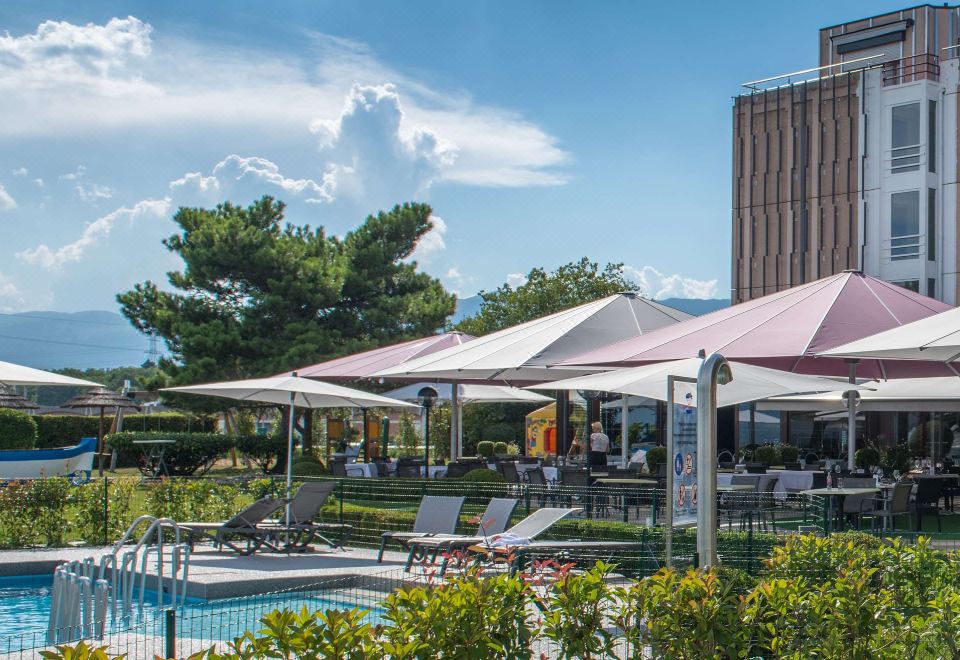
(190, 454)
(266, 451)
(17, 430)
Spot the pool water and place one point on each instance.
(25, 609)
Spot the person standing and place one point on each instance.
(599, 446)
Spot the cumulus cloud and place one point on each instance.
(7, 202)
(239, 168)
(101, 58)
(11, 298)
(431, 242)
(195, 181)
(75, 175)
(516, 279)
(93, 192)
(51, 259)
(38, 183)
(659, 285)
(20, 171)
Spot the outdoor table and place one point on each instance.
(153, 459)
(735, 488)
(837, 495)
(627, 488)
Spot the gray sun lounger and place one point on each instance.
(245, 525)
(303, 528)
(494, 521)
(438, 514)
(530, 527)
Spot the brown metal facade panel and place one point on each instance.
(795, 185)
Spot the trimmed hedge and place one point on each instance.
(266, 451)
(17, 430)
(485, 476)
(66, 430)
(191, 453)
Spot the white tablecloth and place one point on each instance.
(794, 480)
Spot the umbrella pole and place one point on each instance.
(852, 418)
(454, 420)
(624, 429)
(100, 445)
(290, 455)
(366, 437)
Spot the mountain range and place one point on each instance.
(101, 339)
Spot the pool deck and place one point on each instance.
(215, 574)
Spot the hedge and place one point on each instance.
(17, 430)
(191, 453)
(265, 451)
(66, 430)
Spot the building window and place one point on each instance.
(932, 287)
(932, 224)
(932, 136)
(905, 225)
(909, 285)
(905, 138)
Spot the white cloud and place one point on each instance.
(659, 285)
(100, 58)
(93, 192)
(10, 297)
(431, 242)
(38, 182)
(75, 175)
(238, 168)
(7, 202)
(453, 273)
(516, 279)
(197, 182)
(44, 256)
(20, 171)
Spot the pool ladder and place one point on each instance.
(86, 591)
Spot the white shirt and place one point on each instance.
(599, 442)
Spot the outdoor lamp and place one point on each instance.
(724, 374)
(426, 397)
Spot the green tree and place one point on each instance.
(257, 297)
(544, 293)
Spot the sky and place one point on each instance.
(539, 132)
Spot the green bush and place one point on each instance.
(190, 453)
(484, 476)
(867, 457)
(308, 469)
(789, 454)
(88, 503)
(655, 457)
(66, 430)
(17, 430)
(266, 451)
(501, 432)
(500, 448)
(767, 454)
(485, 449)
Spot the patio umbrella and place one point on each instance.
(470, 393)
(529, 352)
(902, 395)
(10, 399)
(292, 391)
(750, 382)
(935, 338)
(789, 330)
(15, 374)
(102, 398)
(364, 365)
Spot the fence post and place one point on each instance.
(750, 543)
(341, 501)
(170, 632)
(526, 497)
(106, 509)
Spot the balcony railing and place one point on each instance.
(925, 66)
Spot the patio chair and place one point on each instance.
(408, 470)
(494, 520)
(438, 514)
(457, 469)
(338, 467)
(539, 486)
(739, 505)
(509, 471)
(898, 504)
(856, 506)
(523, 532)
(302, 529)
(927, 500)
(245, 525)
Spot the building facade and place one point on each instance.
(852, 164)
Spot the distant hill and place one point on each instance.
(467, 307)
(50, 340)
(696, 306)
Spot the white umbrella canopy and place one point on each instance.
(468, 393)
(933, 339)
(15, 374)
(940, 394)
(292, 390)
(524, 353)
(750, 383)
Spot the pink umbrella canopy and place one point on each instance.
(786, 330)
(364, 365)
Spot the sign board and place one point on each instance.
(683, 458)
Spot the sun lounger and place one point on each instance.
(523, 532)
(437, 515)
(636, 553)
(244, 525)
(493, 521)
(302, 528)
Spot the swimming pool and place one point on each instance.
(25, 608)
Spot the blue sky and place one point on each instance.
(540, 132)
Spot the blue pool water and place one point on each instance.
(25, 608)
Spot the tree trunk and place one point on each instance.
(307, 439)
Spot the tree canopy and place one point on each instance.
(544, 293)
(258, 297)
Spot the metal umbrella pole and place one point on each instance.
(852, 417)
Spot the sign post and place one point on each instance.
(681, 494)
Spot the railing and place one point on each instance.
(925, 66)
